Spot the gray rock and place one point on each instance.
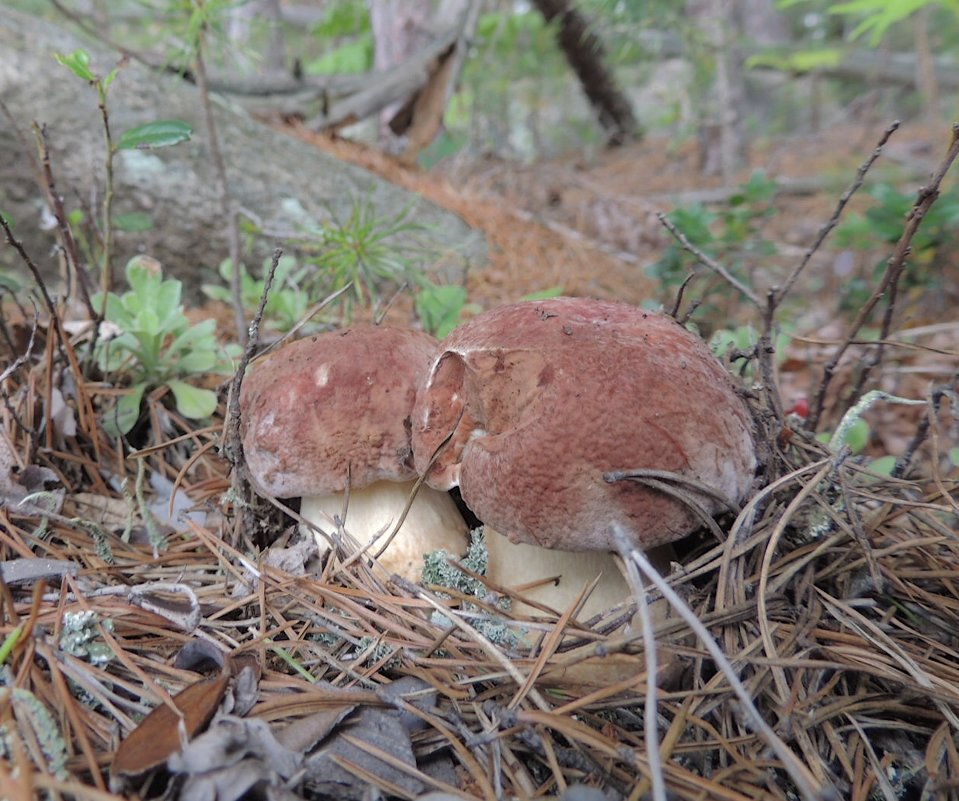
(282, 182)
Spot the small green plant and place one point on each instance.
(161, 133)
(440, 307)
(366, 251)
(744, 339)
(157, 346)
(286, 304)
(933, 245)
(731, 234)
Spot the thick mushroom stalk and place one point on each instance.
(332, 412)
(432, 522)
(544, 398)
(514, 564)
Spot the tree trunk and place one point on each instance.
(400, 29)
(926, 81)
(721, 143)
(586, 55)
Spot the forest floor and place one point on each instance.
(835, 592)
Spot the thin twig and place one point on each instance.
(707, 261)
(17, 245)
(232, 448)
(888, 285)
(674, 312)
(650, 728)
(933, 403)
(833, 221)
(227, 206)
(67, 241)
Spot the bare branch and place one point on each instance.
(709, 262)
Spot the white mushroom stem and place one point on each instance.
(432, 522)
(512, 565)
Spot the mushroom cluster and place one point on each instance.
(533, 410)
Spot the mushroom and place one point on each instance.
(544, 399)
(331, 412)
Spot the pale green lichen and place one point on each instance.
(80, 637)
(440, 569)
(30, 714)
(374, 651)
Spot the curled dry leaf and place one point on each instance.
(175, 602)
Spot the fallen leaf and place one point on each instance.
(175, 602)
(157, 737)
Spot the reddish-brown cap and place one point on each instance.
(547, 396)
(331, 406)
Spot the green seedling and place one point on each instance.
(440, 307)
(286, 304)
(157, 346)
(365, 251)
(151, 135)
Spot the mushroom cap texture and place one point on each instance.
(333, 406)
(546, 396)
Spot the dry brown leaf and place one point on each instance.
(158, 736)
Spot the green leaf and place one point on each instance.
(880, 15)
(10, 283)
(141, 275)
(122, 417)
(134, 222)
(857, 437)
(167, 304)
(954, 456)
(192, 402)
(110, 77)
(78, 62)
(883, 465)
(439, 306)
(193, 337)
(197, 361)
(162, 133)
(215, 292)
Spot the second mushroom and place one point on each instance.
(541, 400)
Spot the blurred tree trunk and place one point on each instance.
(722, 146)
(586, 55)
(239, 28)
(400, 29)
(926, 81)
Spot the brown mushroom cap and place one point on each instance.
(333, 409)
(552, 394)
